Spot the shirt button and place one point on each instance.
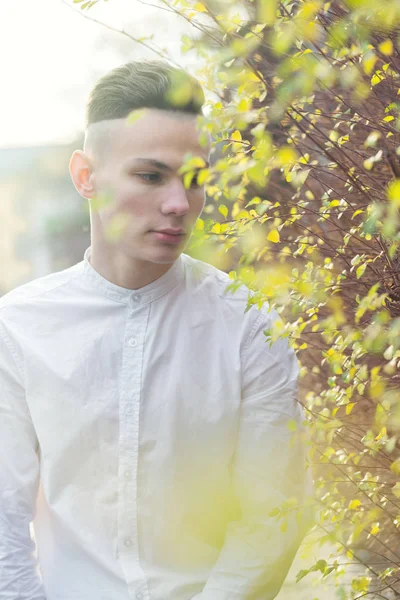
(136, 299)
(128, 542)
(132, 342)
(128, 410)
(128, 474)
(139, 595)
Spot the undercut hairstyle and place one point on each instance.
(140, 85)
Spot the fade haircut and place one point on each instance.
(144, 84)
(138, 85)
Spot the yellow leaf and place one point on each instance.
(187, 179)
(286, 155)
(134, 115)
(377, 389)
(349, 407)
(242, 214)
(354, 504)
(223, 209)
(368, 164)
(396, 490)
(395, 466)
(244, 105)
(253, 76)
(199, 224)
(377, 77)
(381, 433)
(266, 11)
(386, 47)
(375, 529)
(202, 176)
(200, 7)
(360, 270)
(273, 236)
(333, 135)
(237, 136)
(394, 192)
(369, 63)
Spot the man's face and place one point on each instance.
(144, 193)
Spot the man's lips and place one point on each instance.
(170, 231)
(170, 238)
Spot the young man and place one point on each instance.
(143, 417)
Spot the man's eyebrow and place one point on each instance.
(158, 164)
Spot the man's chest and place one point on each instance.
(141, 384)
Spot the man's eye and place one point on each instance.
(150, 177)
(194, 183)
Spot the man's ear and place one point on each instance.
(80, 168)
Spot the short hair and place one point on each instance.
(140, 85)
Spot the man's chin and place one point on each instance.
(162, 253)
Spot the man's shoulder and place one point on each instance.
(236, 297)
(32, 291)
(207, 276)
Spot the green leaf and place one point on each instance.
(302, 573)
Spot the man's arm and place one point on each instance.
(19, 476)
(269, 467)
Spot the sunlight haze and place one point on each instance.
(52, 55)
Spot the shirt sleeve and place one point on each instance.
(269, 471)
(19, 476)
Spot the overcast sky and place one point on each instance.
(51, 56)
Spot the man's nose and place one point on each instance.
(176, 198)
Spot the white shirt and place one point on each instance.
(145, 434)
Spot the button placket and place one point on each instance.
(129, 444)
(134, 302)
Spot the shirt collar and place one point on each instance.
(137, 297)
